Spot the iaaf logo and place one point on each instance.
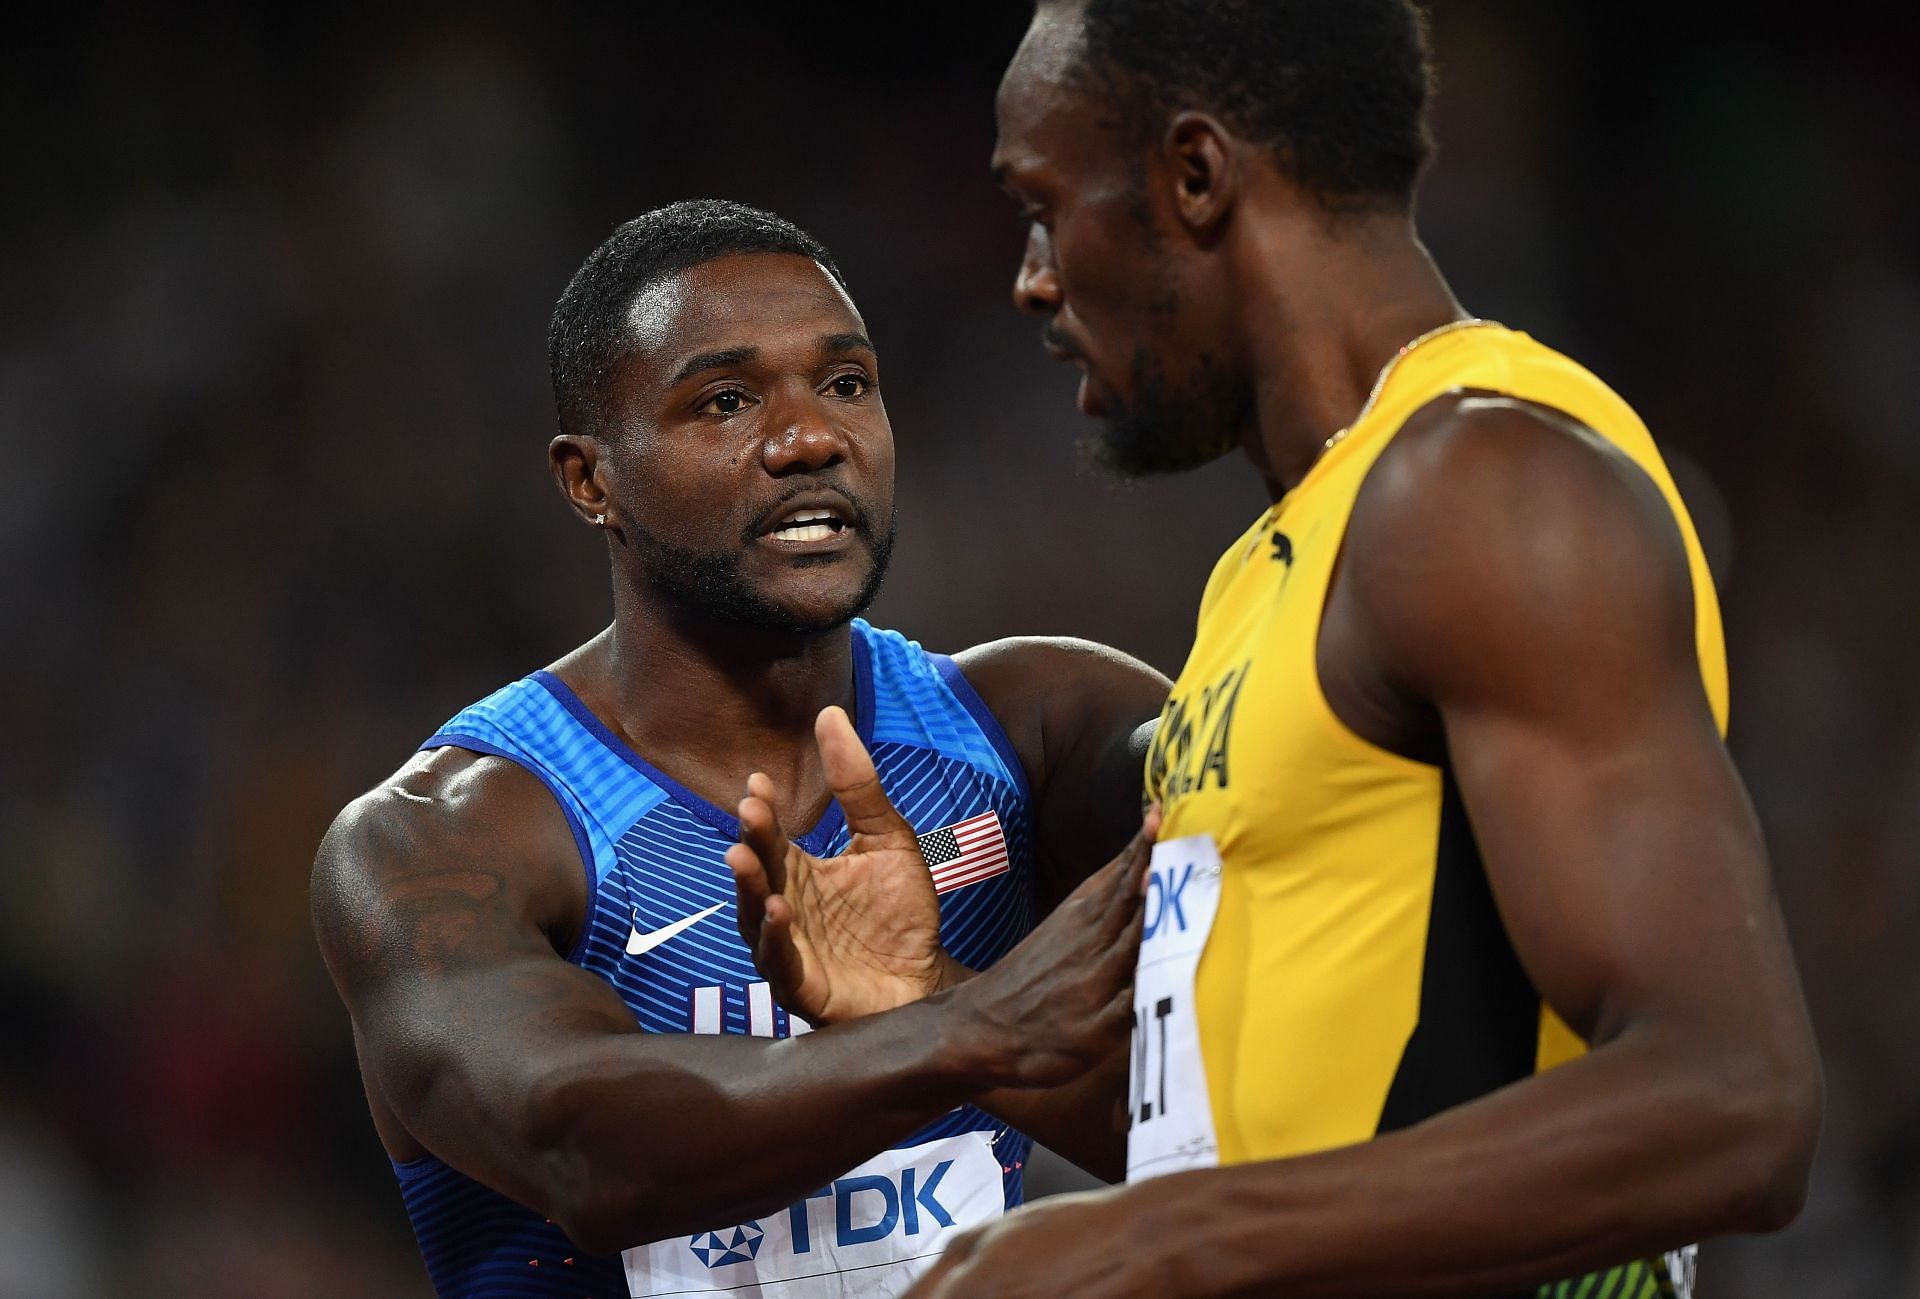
(909, 1205)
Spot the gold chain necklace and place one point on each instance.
(1386, 371)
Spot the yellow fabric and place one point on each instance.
(1310, 984)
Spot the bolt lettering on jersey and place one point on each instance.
(653, 854)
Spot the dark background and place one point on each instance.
(273, 396)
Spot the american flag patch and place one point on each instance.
(965, 852)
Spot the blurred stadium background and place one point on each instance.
(273, 394)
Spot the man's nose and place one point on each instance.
(804, 439)
(1036, 286)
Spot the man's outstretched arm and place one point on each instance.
(1554, 637)
(442, 901)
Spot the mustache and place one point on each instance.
(859, 517)
(1055, 340)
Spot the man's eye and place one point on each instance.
(728, 401)
(850, 385)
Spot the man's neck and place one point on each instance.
(708, 701)
(1319, 341)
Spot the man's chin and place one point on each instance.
(1126, 447)
(795, 595)
(1159, 426)
(817, 593)
(807, 618)
(786, 608)
(811, 595)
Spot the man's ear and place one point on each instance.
(1203, 158)
(575, 462)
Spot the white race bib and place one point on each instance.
(868, 1235)
(1172, 1119)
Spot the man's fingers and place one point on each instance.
(1127, 871)
(1119, 1011)
(1116, 877)
(760, 786)
(1139, 850)
(1138, 854)
(749, 891)
(760, 831)
(1124, 879)
(778, 959)
(851, 776)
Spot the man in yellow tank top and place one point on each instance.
(1461, 972)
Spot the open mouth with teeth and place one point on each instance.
(808, 525)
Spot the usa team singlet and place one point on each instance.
(1323, 961)
(661, 929)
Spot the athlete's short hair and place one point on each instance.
(1337, 89)
(589, 332)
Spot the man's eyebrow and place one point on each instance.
(841, 344)
(726, 356)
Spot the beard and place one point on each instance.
(713, 583)
(1168, 427)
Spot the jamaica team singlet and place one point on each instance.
(1323, 961)
(661, 929)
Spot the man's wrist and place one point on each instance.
(976, 1048)
(1195, 1226)
(949, 974)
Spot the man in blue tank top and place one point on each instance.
(585, 1087)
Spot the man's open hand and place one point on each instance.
(838, 937)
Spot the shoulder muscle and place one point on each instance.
(1500, 549)
(1080, 715)
(1051, 694)
(448, 825)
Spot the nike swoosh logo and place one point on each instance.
(638, 942)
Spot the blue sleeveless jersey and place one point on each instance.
(652, 851)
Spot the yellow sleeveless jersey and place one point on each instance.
(1356, 978)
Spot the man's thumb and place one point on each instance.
(851, 776)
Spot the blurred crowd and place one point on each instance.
(273, 400)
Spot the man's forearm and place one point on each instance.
(658, 1135)
(1622, 1154)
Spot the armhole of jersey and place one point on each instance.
(983, 717)
(457, 740)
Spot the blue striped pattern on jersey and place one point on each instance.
(600, 794)
(477, 1242)
(653, 850)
